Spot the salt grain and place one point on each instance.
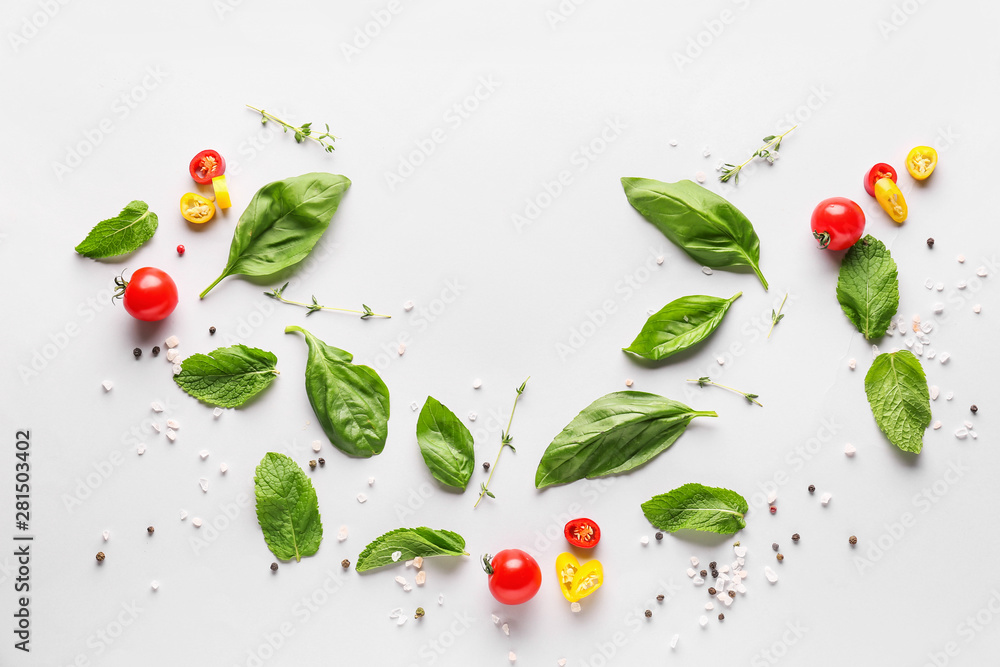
(935, 392)
(930, 353)
(421, 578)
(223, 468)
(371, 481)
(107, 384)
(962, 433)
(177, 369)
(418, 562)
(694, 561)
(644, 540)
(203, 483)
(977, 309)
(937, 425)
(874, 351)
(723, 569)
(770, 574)
(675, 638)
(981, 272)
(918, 349)
(697, 581)
(396, 613)
(659, 259)
(217, 413)
(909, 342)
(441, 598)
(196, 522)
(317, 445)
(495, 619)
(477, 383)
(700, 176)
(156, 407)
(408, 306)
(172, 342)
(506, 629)
(939, 287)
(944, 357)
(703, 620)
(968, 425)
(342, 534)
(140, 449)
(691, 572)
(512, 656)
(413, 406)
(772, 496)
(950, 395)
(400, 580)
(203, 454)
(709, 606)
(852, 364)
(825, 499)
(473, 416)
(172, 355)
(673, 142)
(720, 360)
(628, 382)
(740, 551)
(938, 308)
(707, 271)
(961, 259)
(402, 619)
(171, 435)
(705, 152)
(184, 514)
(106, 535)
(156, 426)
(850, 449)
(401, 349)
(961, 284)
(173, 423)
(396, 555)
(561, 662)
(929, 284)
(154, 584)
(362, 498)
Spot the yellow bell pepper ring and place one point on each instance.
(920, 162)
(578, 581)
(890, 198)
(196, 209)
(221, 191)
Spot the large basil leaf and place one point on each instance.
(868, 287)
(703, 224)
(612, 435)
(900, 400)
(350, 401)
(679, 325)
(282, 224)
(697, 507)
(446, 444)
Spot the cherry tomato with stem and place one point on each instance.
(514, 576)
(583, 533)
(880, 170)
(206, 165)
(837, 223)
(149, 296)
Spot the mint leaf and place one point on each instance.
(697, 507)
(121, 235)
(899, 397)
(446, 444)
(410, 543)
(868, 289)
(227, 377)
(679, 325)
(287, 509)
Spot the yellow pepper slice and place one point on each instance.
(890, 198)
(920, 162)
(578, 581)
(221, 191)
(196, 208)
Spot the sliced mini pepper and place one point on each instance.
(584, 533)
(221, 191)
(578, 581)
(890, 198)
(206, 165)
(196, 209)
(920, 162)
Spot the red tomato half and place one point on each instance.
(838, 223)
(206, 165)
(584, 533)
(514, 576)
(149, 296)
(880, 170)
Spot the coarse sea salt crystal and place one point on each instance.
(720, 360)
(977, 309)
(156, 407)
(944, 357)
(771, 575)
(740, 551)
(697, 581)
(371, 481)
(628, 382)
(931, 353)
(938, 308)
(342, 534)
(418, 562)
(421, 578)
(723, 568)
(974, 435)
(107, 384)
(473, 416)
(362, 498)
(396, 555)
(413, 406)
(659, 259)
(408, 306)
(154, 584)
(396, 613)
(401, 619)
(512, 656)
(703, 620)
(934, 392)
(495, 619)
(171, 435)
(177, 369)
(968, 425)
(477, 383)
(740, 587)
(644, 540)
(918, 349)
(939, 287)
(674, 640)
(106, 535)
(673, 142)
(172, 342)
(961, 284)
(184, 514)
(203, 454)
(981, 272)
(909, 342)
(694, 561)
(400, 580)
(317, 445)
(709, 606)
(506, 629)
(196, 522)
(936, 425)
(172, 355)
(441, 598)
(223, 468)
(950, 395)
(173, 423)
(961, 259)
(401, 349)
(772, 496)
(825, 499)
(850, 449)
(217, 413)
(691, 572)
(140, 449)
(706, 270)
(156, 426)
(874, 351)
(728, 601)
(929, 284)
(962, 433)
(203, 483)
(700, 176)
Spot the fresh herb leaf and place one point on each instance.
(120, 235)
(282, 224)
(697, 507)
(287, 509)
(612, 435)
(703, 224)
(899, 398)
(227, 377)
(769, 152)
(302, 132)
(446, 444)
(351, 402)
(410, 543)
(679, 325)
(505, 440)
(751, 398)
(868, 288)
(278, 294)
(777, 316)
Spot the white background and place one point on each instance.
(865, 81)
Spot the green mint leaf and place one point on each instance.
(697, 507)
(410, 543)
(868, 289)
(679, 325)
(287, 509)
(612, 435)
(899, 398)
(446, 444)
(350, 401)
(703, 224)
(282, 224)
(227, 377)
(120, 235)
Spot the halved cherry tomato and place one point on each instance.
(584, 533)
(578, 581)
(920, 162)
(838, 223)
(514, 576)
(221, 192)
(890, 198)
(206, 165)
(149, 296)
(196, 209)
(880, 170)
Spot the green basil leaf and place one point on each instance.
(899, 398)
(120, 235)
(700, 222)
(287, 509)
(697, 507)
(679, 325)
(227, 377)
(410, 543)
(612, 435)
(446, 444)
(868, 287)
(350, 401)
(282, 224)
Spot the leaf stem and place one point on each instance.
(277, 293)
(301, 133)
(776, 316)
(209, 288)
(702, 381)
(505, 439)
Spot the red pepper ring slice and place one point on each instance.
(583, 533)
(206, 165)
(879, 170)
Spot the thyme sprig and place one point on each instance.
(769, 152)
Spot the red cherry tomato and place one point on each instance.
(584, 533)
(206, 165)
(880, 170)
(838, 223)
(514, 576)
(149, 296)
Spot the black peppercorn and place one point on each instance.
(715, 574)
(853, 540)
(649, 613)
(732, 594)
(100, 556)
(795, 537)
(974, 409)
(659, 535)
(722, 617)
(486, 465)
(345, 563)
(812, 488)
(150, 530)
(211, 331)
(137, 352)
(704, 573)
(155, 350)
(712, 591)
(930, 243)
(712, 565)
(774, 545)
(322, 462)
(274, 567)
(659, 598)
